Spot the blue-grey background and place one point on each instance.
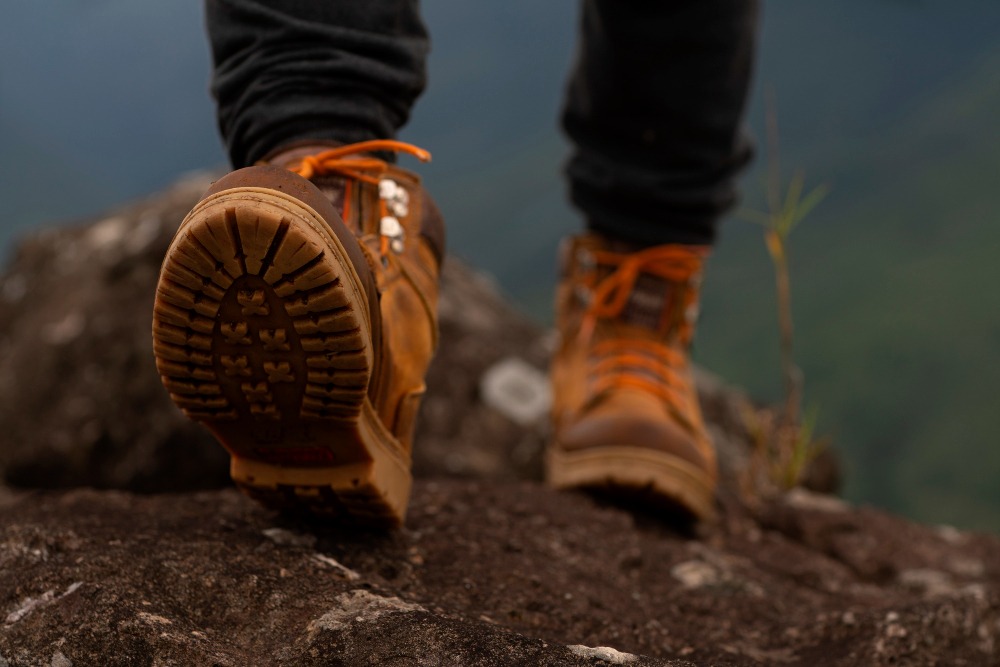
(894, 103)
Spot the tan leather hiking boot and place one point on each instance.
(625, 413)
(296, 319)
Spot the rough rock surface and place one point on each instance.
(491, 569)
(485, 574)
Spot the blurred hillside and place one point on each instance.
(893, 103)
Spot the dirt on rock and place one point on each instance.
(485, 573)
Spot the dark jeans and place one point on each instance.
(654, 106)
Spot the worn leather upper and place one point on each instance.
(621, 374)
(405, 280)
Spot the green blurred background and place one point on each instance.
(894, 104)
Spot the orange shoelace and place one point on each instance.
(353, 163)
(672, 263)
(641, 363)
(349, 161)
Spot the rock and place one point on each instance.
(345, 572)
(76, 369)
(508, 573)
(932, 583)
(694, 574)
(28, 605)
(517, 390)
(59, 659)
(807, 500)
(283, 537)
(605, 653)
(359, 606)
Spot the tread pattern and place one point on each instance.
(251, 320)
(255, 335)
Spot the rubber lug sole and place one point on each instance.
(261, 332)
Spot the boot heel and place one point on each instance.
(262, 332)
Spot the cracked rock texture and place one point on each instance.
(485, 573)
(162, 564)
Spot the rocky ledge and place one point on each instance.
(160, 564)
(485, 574)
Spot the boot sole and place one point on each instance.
(634, 471)
(261, 332)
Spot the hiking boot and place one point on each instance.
(625, 414)
(295, 318)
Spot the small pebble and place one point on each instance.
(605, 653)
(59, 659)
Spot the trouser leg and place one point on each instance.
(292, 70)
(655, 110)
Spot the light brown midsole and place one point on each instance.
(631, 466)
